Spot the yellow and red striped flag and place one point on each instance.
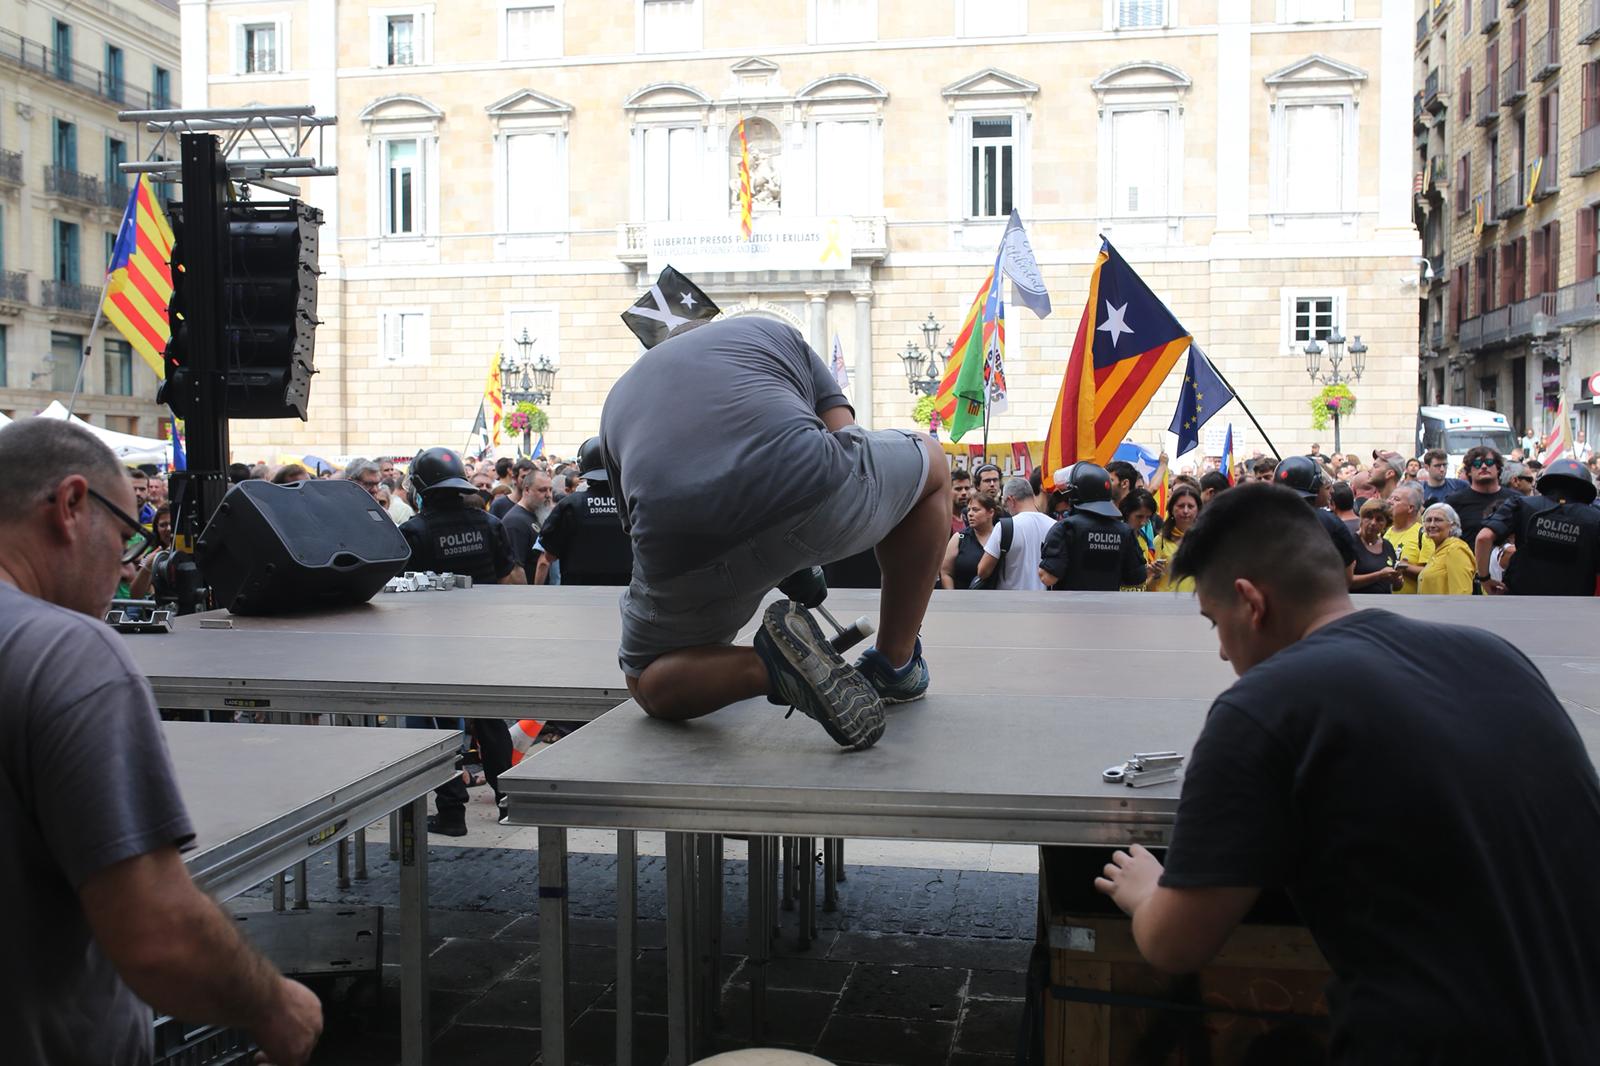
(744, 183)
(979, 336)
(139, 277)
(494, 402)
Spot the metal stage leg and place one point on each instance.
(553, 939)
(414, 1029)
(278, 900)
(300, 901)
(681, 954)
(838, 859)
(341, 853)
(394, 835)
(830, 887)
(361, 854)
(758, 924)
(788, 873)
(708, 891)
(627, 939)
(806, 871)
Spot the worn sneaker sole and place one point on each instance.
(822, 685)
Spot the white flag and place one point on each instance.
(1017, 261)
(840, 374)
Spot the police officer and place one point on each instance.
(1091, 549)
(1557, 534)
(584, 532)
(451, 533)
(1301, 474)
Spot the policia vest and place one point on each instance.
(447, 536)
(1558, 546)
(1088, 552)
(585, 533)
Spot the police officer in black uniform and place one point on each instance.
(1091, 549)
(584, 532)
(1557, 534)
(451, 533)
(1301, 473)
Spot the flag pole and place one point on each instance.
(1241, 402)
(88, 345)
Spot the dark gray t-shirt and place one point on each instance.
(715, 435)
(85, 782)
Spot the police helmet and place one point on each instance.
(1567, 478)
(439, 468)
(592, 460)
(1300, 473)
(1089, 489)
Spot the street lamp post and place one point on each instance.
(924, 365)
(1336, 374)
(527, 381)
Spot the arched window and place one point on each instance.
(766, 166)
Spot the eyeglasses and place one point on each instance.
(1480, 464)
(139, 539)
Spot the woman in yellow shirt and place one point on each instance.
(1453, 566)
(1183, 507)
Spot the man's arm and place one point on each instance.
(836, 418)
(182, 955)
(1178, 930)
(517, 576)
(541, 570)
(987, 564)
(947, 569)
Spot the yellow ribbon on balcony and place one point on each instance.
(1534, 170)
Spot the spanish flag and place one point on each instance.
(1127, 342)
(139, 277)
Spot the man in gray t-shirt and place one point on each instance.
(97, 912)
(736, 462)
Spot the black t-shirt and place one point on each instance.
(1474, 507)
(447, 536)
(1343, 539)
(585, 533)
(1558, 546)
(522, 529)
(1371, 562)
(500, 505)
(1088, 552)
(1436, 833)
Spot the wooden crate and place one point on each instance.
(1262, 997)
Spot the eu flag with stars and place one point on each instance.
(1202, 395)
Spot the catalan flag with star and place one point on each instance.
(1127, 342)
(139, 277)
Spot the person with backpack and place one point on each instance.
(1011, 554)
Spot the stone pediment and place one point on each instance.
(1316, 72)
(400, 107)
(841, 87)
(1141, 76)
(990, 82)
(528, 102)
(666, 95)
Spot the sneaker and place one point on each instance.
(908, 683)
(807, 675)
(443, 828)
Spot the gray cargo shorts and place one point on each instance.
(711, 603)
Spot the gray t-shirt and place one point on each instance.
(86, 782)
(715, 435)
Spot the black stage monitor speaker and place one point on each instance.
(276, 548)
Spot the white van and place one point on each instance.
(1459, 429)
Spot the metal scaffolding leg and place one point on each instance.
(553, 944)
(627, 939)
(758, 948)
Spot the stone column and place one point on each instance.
(1233, 119)
(817, 324)
(861, 386)
(1395, 154)
(194, 51)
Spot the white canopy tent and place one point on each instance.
(129, 448)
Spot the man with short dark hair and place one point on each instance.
(141, 495)
(1386, 471)
(987, 479)
(1211, 483)
(1411, 827)
(1484, 492)
(100, 912)
(960, 493)
(1125, 478)
(1263, 469)
(1436, 487)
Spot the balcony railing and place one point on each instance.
(73, 185)
(1544, 173)
(115, 193)
(1436, 336)
(1512, 85)
(1491, 16)
(1436, 267)
(1522, 313)
(69, 296)
(1430, 92)
(1469, 334)
(1508, 197)
(1588, 21)
(13, 287)
(1578, 304)
(34, 56)
(1423, 25)
(1418, 123)
(1545, 58)
(1588, 151)
(11, 167)
(1488, 105)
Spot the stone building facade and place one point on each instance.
(514, 164)
(66, 69)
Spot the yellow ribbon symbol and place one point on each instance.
(832, 249)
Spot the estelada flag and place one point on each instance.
(139, 277)
(1127, 342)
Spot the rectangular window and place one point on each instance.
(5, 372)
(1314, 11)
(1140, 141)
(1466, 17)
(1464, 101)
(64, 146)
(405, 338)
(66, 252)
(671, 172)
(532, 31)
(402, 190)
(844, 168)
(114, 74)
(111, 246)
(1463, 196)
(116, 155)
(66, 350)
(160, 88)
(400, 41)
(261, 48)
(1140, 14)
(991, 18)
(1586, 244)
(845, 20)
(1591, 94)
(991, 152)
(62, 36)
(1313, 164)
(670, 26)
(1314, 319)
(531, 184)
(119, 368)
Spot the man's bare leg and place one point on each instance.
(909, 558)
(692, 682)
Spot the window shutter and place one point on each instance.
(1552, 258)
(1585, 263)
(1464, 108)
(1536, 275)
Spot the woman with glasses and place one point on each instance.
(1453, 567)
